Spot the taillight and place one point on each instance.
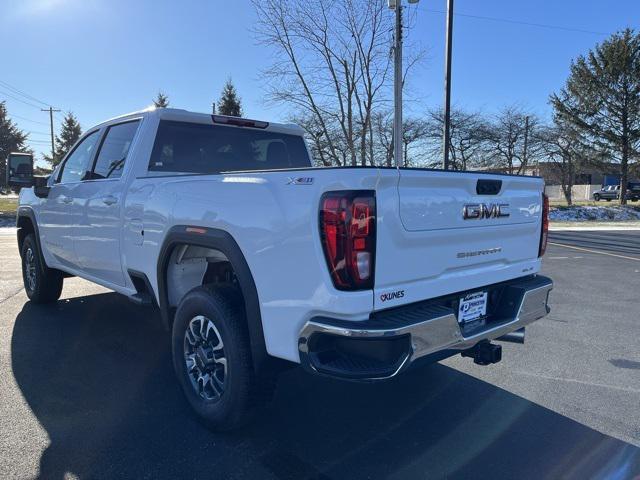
(544, 233)
(347, 230)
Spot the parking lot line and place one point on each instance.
(595, 251)
(581, 382)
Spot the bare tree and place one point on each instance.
(513, 140)
(326, 150)
(414, 135)
(332, 65)
(383, 128)
(562, 146)
(470, 135)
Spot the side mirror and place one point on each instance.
(20, 170)
(41, 187)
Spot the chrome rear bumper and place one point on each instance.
(389, 341)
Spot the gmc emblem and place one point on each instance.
(476, 211)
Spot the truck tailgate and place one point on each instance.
(455, 231)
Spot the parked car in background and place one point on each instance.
(612, 192)
(608, 193)
(633, 191)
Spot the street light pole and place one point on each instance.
(446, 141)
(397, 84)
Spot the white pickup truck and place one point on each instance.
(253, 256)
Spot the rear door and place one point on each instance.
(454, 231)
(99, 231)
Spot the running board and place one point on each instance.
(144, 292)
(142, 299)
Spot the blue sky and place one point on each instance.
(102, 58)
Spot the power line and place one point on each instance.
(38, 143)
(20, 92)
(16, 91)
(19, 99)
(519, 22)
(28, 120)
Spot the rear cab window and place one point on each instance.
(184, 147)
(114, 150)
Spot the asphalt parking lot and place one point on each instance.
(87, 391)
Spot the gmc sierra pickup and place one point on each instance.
(254, 257)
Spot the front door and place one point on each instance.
(59, 213)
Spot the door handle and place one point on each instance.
(109, 200)
(66, 199)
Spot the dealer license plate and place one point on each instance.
(472, 307)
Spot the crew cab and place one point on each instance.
(256, 259)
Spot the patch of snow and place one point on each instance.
(616, 213)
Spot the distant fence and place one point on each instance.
(578, 192)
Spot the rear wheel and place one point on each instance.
(212, 358)
(42, 284)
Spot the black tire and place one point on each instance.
(596, 197)
(42, 284)
(608, 199)
(242, 392)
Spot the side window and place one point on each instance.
(114, 150)
(77, 163)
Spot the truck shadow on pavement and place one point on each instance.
(97, 373)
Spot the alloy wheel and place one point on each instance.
(30, 269)
(205, 358)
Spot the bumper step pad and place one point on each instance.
(390, 340)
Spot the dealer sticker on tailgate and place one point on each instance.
(472, 307)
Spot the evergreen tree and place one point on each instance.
(601, 99)
(70, 132)
(12, 139)
(229, 103)
(161, 101)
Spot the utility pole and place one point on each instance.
(397, 84)
(447, 85)
(523, 167)
(53, 145)
(396, 5)
(213, 108)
